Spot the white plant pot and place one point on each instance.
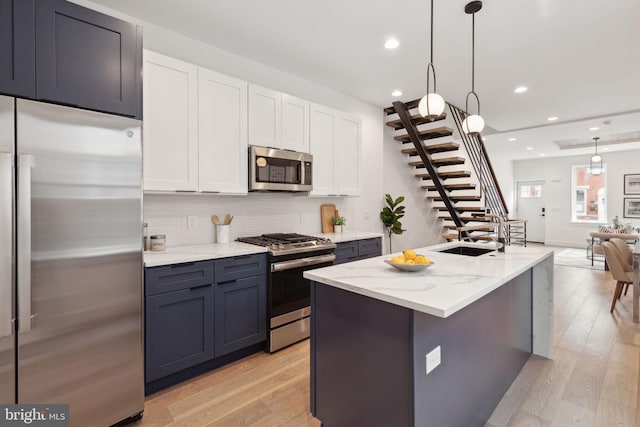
(338, 228)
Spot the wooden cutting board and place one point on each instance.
(326, 212)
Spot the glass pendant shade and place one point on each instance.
(431, 105)
(473, 124)
(595, 163)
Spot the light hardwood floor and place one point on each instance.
(593, 379)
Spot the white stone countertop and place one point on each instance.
(348, 236)
(450, 284)
(176, 255)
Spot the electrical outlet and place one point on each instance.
(433, 359)
(191, 221)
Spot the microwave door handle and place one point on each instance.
(24, 245)
(6, 213)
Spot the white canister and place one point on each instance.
(222, 233)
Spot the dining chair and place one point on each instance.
(616, 267)
(626, 256)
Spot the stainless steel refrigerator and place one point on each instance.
(71, 261)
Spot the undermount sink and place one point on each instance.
(467, 250)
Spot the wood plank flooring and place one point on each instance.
(593, 379)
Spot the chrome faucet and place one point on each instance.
(501, 240)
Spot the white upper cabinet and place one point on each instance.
(348, 144)
(222, 125)
(265, 117)
(295, 123)
(278, 120)
(323, 135)
(170, 136)
(335, 144)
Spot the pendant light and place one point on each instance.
(473, 124)
(431, 105)
(595, 163)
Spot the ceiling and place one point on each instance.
(580, 60)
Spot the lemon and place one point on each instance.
(409, 261)
(409, 254)
(397, 260)
(421, 259)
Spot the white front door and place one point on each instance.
(530, 206)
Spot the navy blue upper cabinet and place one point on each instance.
(87, 59)
(17, 45)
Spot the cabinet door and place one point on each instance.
(17, 48)
(369, 248)
(179, 331)
(295, 123)
(240, 314)
(170, 124)
(346, 252)
(322, 141)
(86, 59)
(222, 133)
(265, 117)
(348, 155)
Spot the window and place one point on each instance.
(588, 200)
(531, 191)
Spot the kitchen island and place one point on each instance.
(471, 322)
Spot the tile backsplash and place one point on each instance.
(254, 214)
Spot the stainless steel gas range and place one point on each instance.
(288, 292)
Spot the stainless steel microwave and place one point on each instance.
(271, 169)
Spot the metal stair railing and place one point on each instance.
(412, 131)
(489, 187)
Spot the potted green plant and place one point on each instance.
(338, 223)
(390, 216)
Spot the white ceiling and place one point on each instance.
(580, 59)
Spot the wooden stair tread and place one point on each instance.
(477, 227)
(462, 208)
(446, 175)
(441, 215)
(416, 119)
(433, 148)
(461, 186)
(427, 134)
(411, 104)
(454, 198)
(446, 161)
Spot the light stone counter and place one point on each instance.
(176, 255)
(348, 236)
(452, 283)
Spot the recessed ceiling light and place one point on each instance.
(541, 154)
(529, 148)
(552, 119)
(521, 89)
(484, 138)
(396, 93)
(391, 43)
(512, 139)
(594, 128)
(604, 148)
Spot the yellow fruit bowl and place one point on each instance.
(409, 267)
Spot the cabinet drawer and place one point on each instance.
(345, 252)
(238, 267)
(178, 276)
(369, 248)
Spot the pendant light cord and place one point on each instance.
(430, 66)
(473, 52)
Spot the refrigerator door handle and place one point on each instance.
(6, 226)
(24, 242)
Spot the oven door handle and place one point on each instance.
(301, 262)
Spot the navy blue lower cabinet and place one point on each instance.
(369, 248)
(346, 252)
(240, 314)
(179, 330)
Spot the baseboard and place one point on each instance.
(565, 244)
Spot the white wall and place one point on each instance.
(257, 213)
(421, 221)
(556, 172)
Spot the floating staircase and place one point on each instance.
(455, 171)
